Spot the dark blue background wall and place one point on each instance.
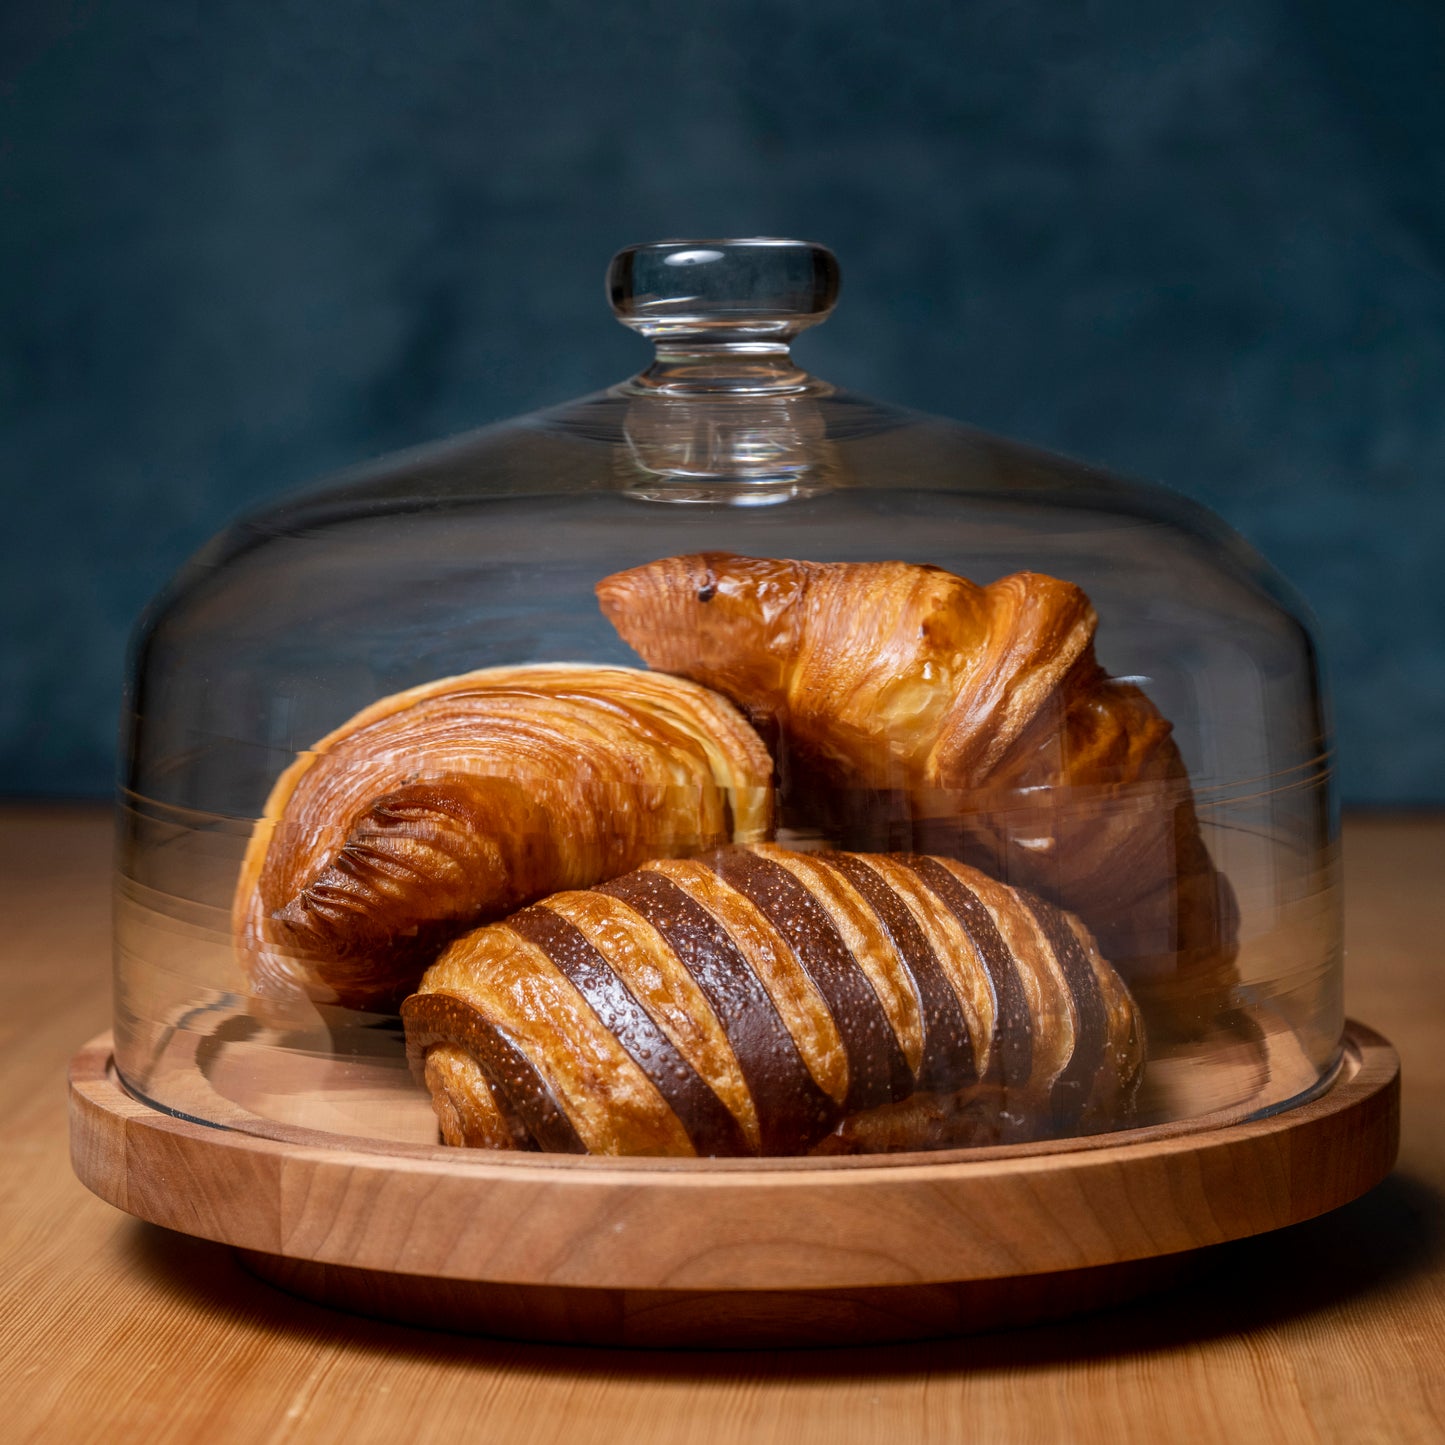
(244, 242)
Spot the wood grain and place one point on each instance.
(689, 1226)
(1328, 1331)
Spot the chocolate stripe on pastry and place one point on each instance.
(1012, 1062)
(709, 1125)
(1072, 1088)
(464, 1103)
(952, 947)
(877, 1070)
(677, 1011)
(866, 940)
(522, 1094)
(640, 957)
(771, 959)
(948, 1063)
(793, 1111)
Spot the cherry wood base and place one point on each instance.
(699, 1253)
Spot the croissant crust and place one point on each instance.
(438, 808)
(984, 712)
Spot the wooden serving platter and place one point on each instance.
(733, 1253)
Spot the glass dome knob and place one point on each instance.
(723, 313)
(760, 289)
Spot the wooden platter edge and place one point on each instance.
(663, 1234)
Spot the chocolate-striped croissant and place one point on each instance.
(757, 1001)
(439, 808)
(980, 705)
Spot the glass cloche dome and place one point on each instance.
(726, 765)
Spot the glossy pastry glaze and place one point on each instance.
(979, 707)
(438, 808)
(763, 1001)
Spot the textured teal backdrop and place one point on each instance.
(244, 243)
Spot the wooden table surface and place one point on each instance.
(115, 1330)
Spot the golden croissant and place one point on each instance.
(983, 705)
(757, 1001)
(439, 808)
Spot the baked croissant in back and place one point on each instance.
(757, 1001)
(980, 706)
(438, 808)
